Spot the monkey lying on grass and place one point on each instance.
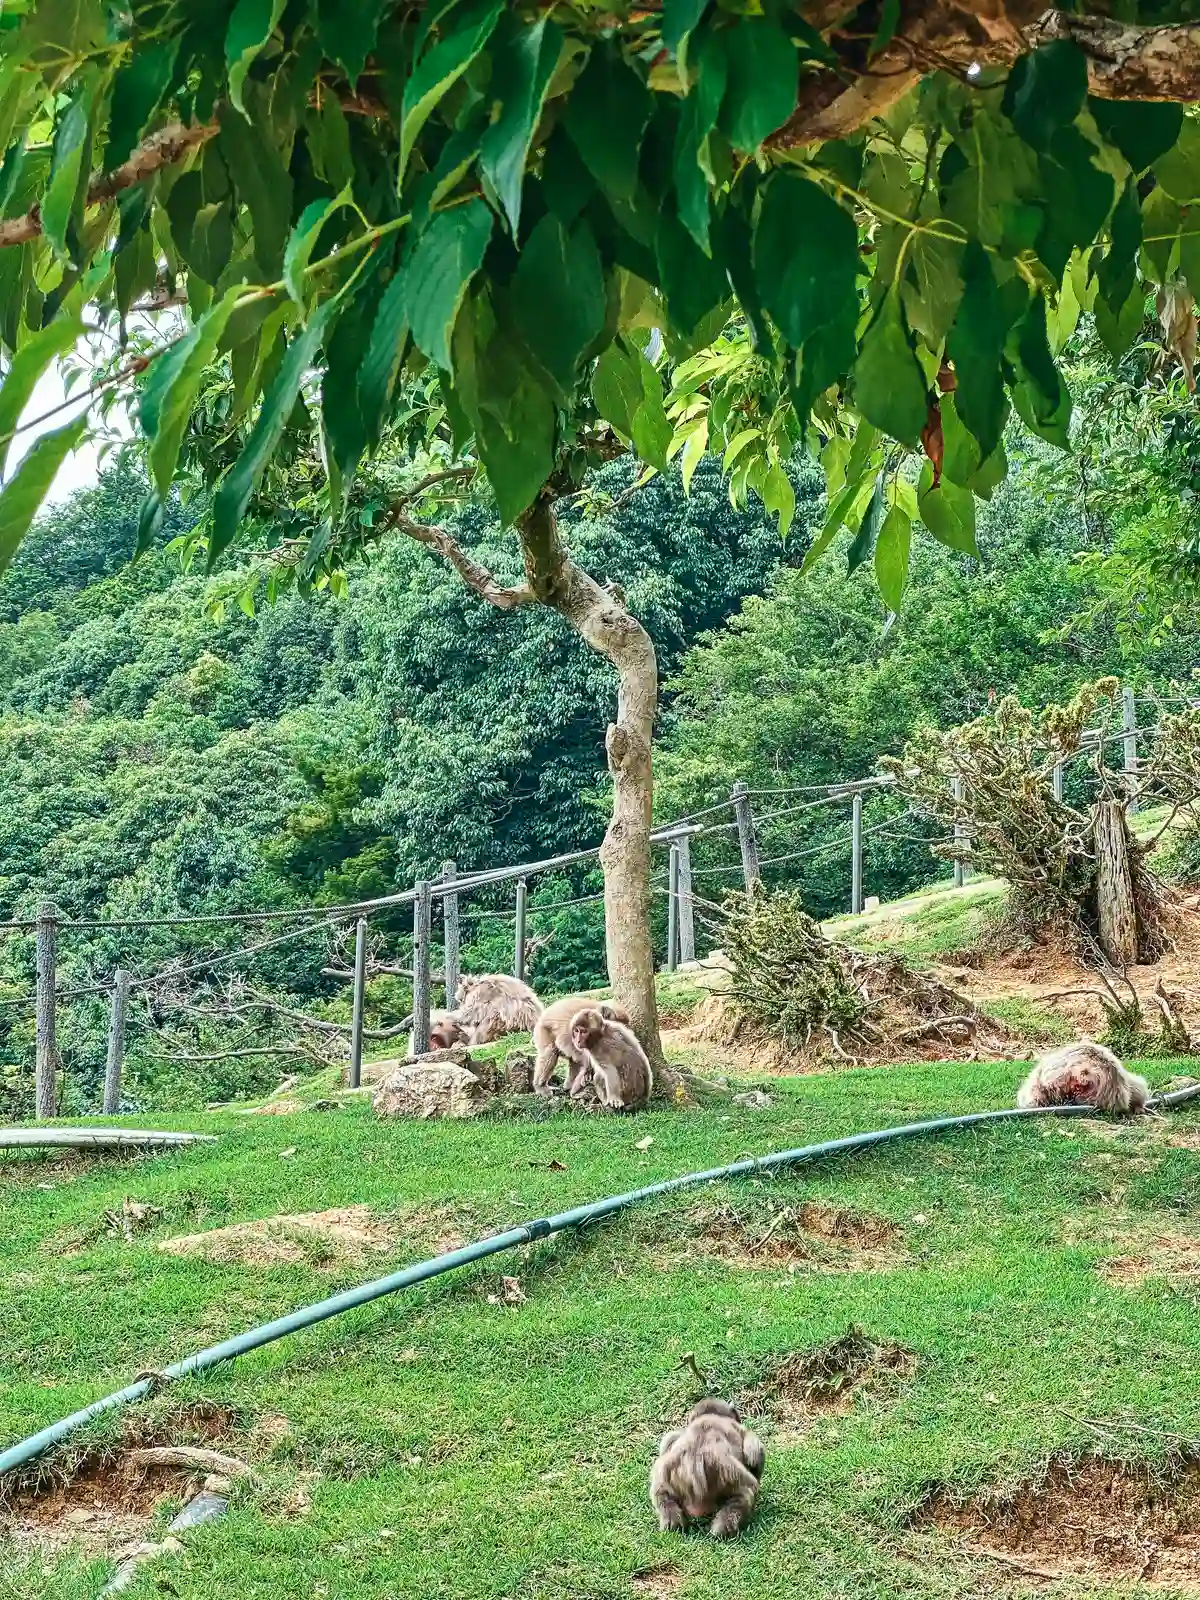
(709, 1468)
(1084, 1074)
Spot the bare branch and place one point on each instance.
(162, 149)
(473, 574)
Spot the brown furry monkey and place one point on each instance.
(552, 1039)
(708, 1468)
(1084, 1074)
(620, 1071)
(445, 1030)
(492, 1005)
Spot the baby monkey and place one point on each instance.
(709, 1468)
(616, 1065)
(1084, 1074)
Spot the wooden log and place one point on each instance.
(673, 910)
(856, 854)
(47, 979)
(94, 1138)
(421, 909)
(687, 920)
(1116, 908)
(116, 1042)
(519, 931)
(453, 970)
(354, 1076)
(746, 839)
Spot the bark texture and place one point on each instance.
(1116, 906)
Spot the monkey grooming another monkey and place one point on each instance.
(492, 1005)
(708, 1468)
(620, 1071)
(1084, 1074)
(552, 1039)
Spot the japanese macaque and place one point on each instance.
(552, 1040)
(709, 1468)
(620, 1071)
(493, 1005)
(445, 1030)
(1084, 1074)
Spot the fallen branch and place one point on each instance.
(190, 1455)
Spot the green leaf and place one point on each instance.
(889, 386)
(29, 485)
(32, 359)
(71, 144)
(843, 509)
(382, 361)
(1040, 395)
(863, 542)
(303, 242)
(1162, 220)
(948, 512)
(173, 383)
(1046, 90)
(763, 74)
(1116, 275)
(889, 21)
(679, 18)
(240, 482)
(779, 498)
(1142, 130)
(993, 183)
(10, 171)
(558, 297)
(606, 118)
(652, 433)
(138, 92)
(891, 557)
(692, 283)
(150, 521)
(617, 388)
(329, 143)
(523, 62)
(1119, 324)
(697, 120)
(446, 257)
(440, 67)
(1179, 170)
(1078, 198)
(347, 30)
(806, 265)
(931, 303)
(251, 24)
(736, 250)
(260, 177)
(976, 346)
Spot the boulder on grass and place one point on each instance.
(425, 1090)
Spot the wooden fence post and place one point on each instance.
(960, 832)
(360, 1000)
(856, 854)
(420, 1030)
(746, 839)
(672, 908)
(450, 932)
(46, 1046)
(687, 922)
(519, 930)
(1056, 780)
(116, 1042)
(1129, 718)
(1115, 904)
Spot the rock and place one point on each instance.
(426, 1090)
(379, 1071)
(871, 903)
(756, 1099)
(518, 1072)
(324, 1105)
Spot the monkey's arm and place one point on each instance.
(753, 1453)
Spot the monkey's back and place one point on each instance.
(704, 1465)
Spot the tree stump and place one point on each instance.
(1116, 907)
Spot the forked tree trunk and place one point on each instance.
(1116, 905)
(605, 624)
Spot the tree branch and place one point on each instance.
(476, 576)
(161, 149)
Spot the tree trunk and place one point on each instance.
(1116, 907)
(604, 623)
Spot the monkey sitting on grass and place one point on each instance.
(1084, 1074)
(709, 1468)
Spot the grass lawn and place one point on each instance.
(447, 1444)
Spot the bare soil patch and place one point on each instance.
(320, 1238)
(828, 1381)
(814, 1235)
(1093, 1518)
(1175, 1257)
(658, 1581)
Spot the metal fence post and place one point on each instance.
(46, 1047)
(1129, 718)
(856, 854)
(450, 933)
(519, 930)
(116, 1042)
(420, 1029)
(746, 839)
(960, 832)
(1056, 780)
(687, 922)
(673, 908)
(360, 1001)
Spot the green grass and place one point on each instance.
(927, 925)
(451, 1447)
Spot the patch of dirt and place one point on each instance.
(1092, 1518)
(658, 1581)
(828, 1381)
(815, 1235)
(277, 1108)
(1175, 1257)
(105, 1507)
(344, 1234)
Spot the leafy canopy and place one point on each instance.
(507, 200)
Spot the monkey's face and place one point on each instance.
(1081, 1085)
(581, 1035)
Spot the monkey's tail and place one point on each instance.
(36, 1444)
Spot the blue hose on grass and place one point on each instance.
(28, 1449)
